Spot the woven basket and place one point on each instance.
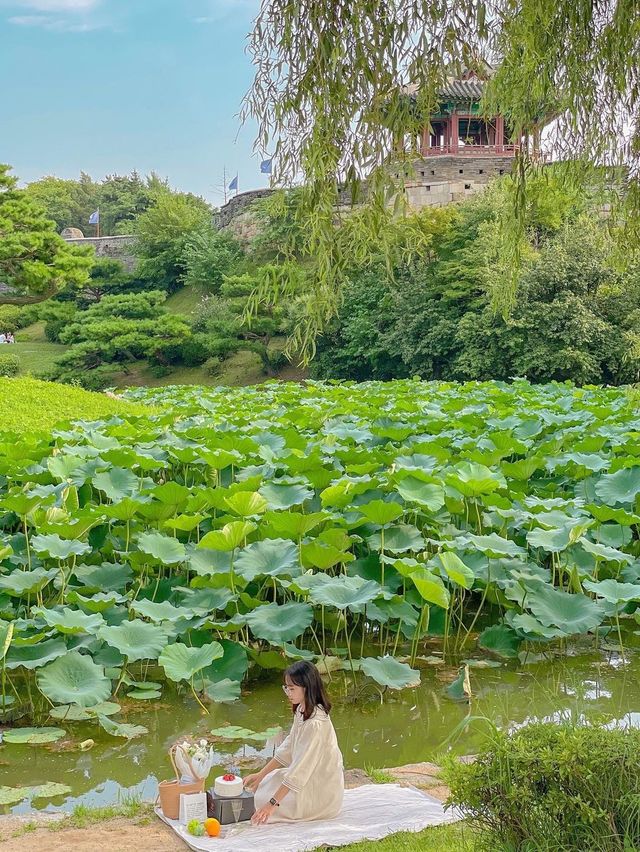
(170, 791)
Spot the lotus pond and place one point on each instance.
(417, 540)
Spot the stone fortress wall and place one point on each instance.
(434, 182)
(116, 248)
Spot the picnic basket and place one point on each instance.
(170, 791)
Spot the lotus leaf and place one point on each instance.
(614, 592)
(620, 487)
(66, 620)
(223, 691)
(74, 676)
(460, 688)
(430, 587)
(285, 496)
(233, 732)
(231, 536)
(501, 640)
(121, 729)
(603, 552)
(35, 656)
(98, 602)
(495, 545)
(32, 736)
(116, 483)
(269, 558)
(75, 713)
(473, 479)
(572, 613)
(389, 672)
(48, 790)
(344, 592)
(19, 583)
(380, 512)
(278, 623)
(143, 694)
(181, 662)
(430, 495)
(135, 639)
(247, 504)
(163, 611)
(321, 555)
(165, 549)
(293, 524)
(455, 569)
(398, 539)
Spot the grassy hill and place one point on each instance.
(27, 404)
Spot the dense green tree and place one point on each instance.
(329, 101)
(34, 260)
(163, 232)
(210, 254)
(68, 202)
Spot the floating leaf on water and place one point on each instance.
(48, 790)
(121, 729)
(33, 736)
(144, 694)
(233, 732)
(75, 713)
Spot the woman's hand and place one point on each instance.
(252, 781)
(262, 816)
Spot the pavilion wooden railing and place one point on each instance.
(470, 150)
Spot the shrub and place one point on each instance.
(553, 787)
(9, 365)
(213, 366)
(14, 317)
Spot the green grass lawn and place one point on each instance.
(444, 838)
(185, 300)
(28, 405)
(36, 356)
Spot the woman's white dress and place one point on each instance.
(311, 769)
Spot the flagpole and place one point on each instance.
(98, 225)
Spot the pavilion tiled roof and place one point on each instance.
(471, 88)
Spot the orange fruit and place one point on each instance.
(212, 827)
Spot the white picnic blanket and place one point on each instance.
(370, 812)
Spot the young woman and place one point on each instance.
(304, 780)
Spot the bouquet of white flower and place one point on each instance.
(194, 759)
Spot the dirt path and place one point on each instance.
(147, 833)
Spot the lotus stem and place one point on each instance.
(195, 695)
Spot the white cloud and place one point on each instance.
(48, 22)
(56, 15)
(70, 6)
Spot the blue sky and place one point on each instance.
(107, 86)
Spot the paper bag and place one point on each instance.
(193, 806)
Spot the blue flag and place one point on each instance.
(234, 183)
(94, 219)
(265, 166)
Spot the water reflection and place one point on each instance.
(410, 726)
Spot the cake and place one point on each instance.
(228, 785)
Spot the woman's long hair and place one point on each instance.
(307, 675)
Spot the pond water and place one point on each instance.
(410, 726)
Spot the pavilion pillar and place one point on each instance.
(500, 133)
(426, 140)
(455, 133)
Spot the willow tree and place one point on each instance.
(329, 100)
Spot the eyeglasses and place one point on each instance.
(288, 689)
